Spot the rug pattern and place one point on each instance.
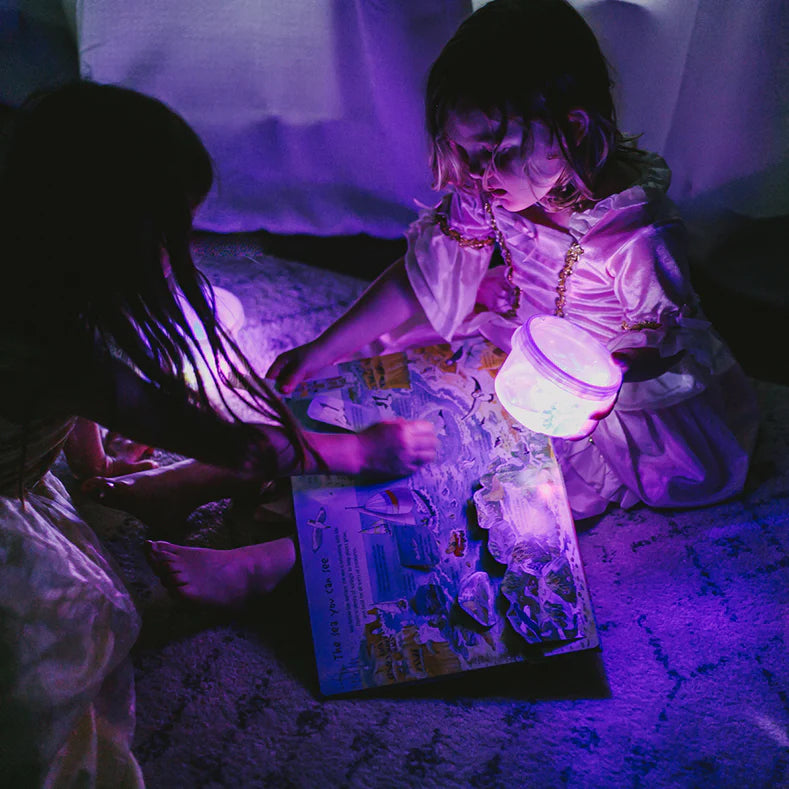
(690, 689)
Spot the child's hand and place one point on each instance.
(644, 364)
(91, 454)
(495, 293)
(290, 368)
(124, 456)
(621, 361)
(116, 467)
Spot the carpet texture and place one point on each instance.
(690, 688)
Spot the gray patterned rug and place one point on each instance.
(690, 689)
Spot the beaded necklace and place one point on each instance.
(570, 259)
(515, 291)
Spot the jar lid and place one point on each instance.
(569, 356)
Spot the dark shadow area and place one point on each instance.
(279, 620)
(282, 622)
(744, 291)
(580, 675)
(359, 256)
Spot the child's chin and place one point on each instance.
(511, 204)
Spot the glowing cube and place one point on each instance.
(556, 377)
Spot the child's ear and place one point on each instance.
(579, 123)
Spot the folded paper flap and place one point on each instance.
(516, 506)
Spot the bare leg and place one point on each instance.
(165, 496)
(226, 578)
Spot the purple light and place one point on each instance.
(556, 377)
(230, 314)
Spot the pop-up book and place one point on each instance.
(470, 562)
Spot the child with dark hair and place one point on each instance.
(97, 189)
(525, 142)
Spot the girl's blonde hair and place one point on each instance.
(533, 60)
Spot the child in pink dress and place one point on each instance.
(524, 138)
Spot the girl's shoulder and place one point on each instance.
(638, 197)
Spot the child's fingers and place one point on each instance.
(118, 446)
(419, 441)
(288, 381)
(421, 428)
(280, 367)
(425, 443)
(285, 373)
(117, 467)
(142, 465)
(275, 368)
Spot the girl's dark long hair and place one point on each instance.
(97, 184)
(536, 60)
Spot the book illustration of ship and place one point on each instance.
(379, 527)
(394, 505)
(405, 515)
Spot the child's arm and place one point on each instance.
(113, 395)
(387, 303)
(391, 449)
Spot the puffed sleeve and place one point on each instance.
(659, 307)
(67, 625)
(660, 310)
(449, 251)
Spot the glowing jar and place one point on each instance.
(556, 377)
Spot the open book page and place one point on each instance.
(471, 562)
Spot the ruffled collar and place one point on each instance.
(653, 182)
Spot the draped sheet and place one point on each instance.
(312, 109)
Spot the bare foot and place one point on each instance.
(226, 578)
(153, 496)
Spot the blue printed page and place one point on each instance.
(471, 562)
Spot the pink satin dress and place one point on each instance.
(682, 439)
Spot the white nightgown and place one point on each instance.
(682, 439)
(67, 624)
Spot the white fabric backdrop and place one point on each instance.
(312, 109)
(707, 82)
